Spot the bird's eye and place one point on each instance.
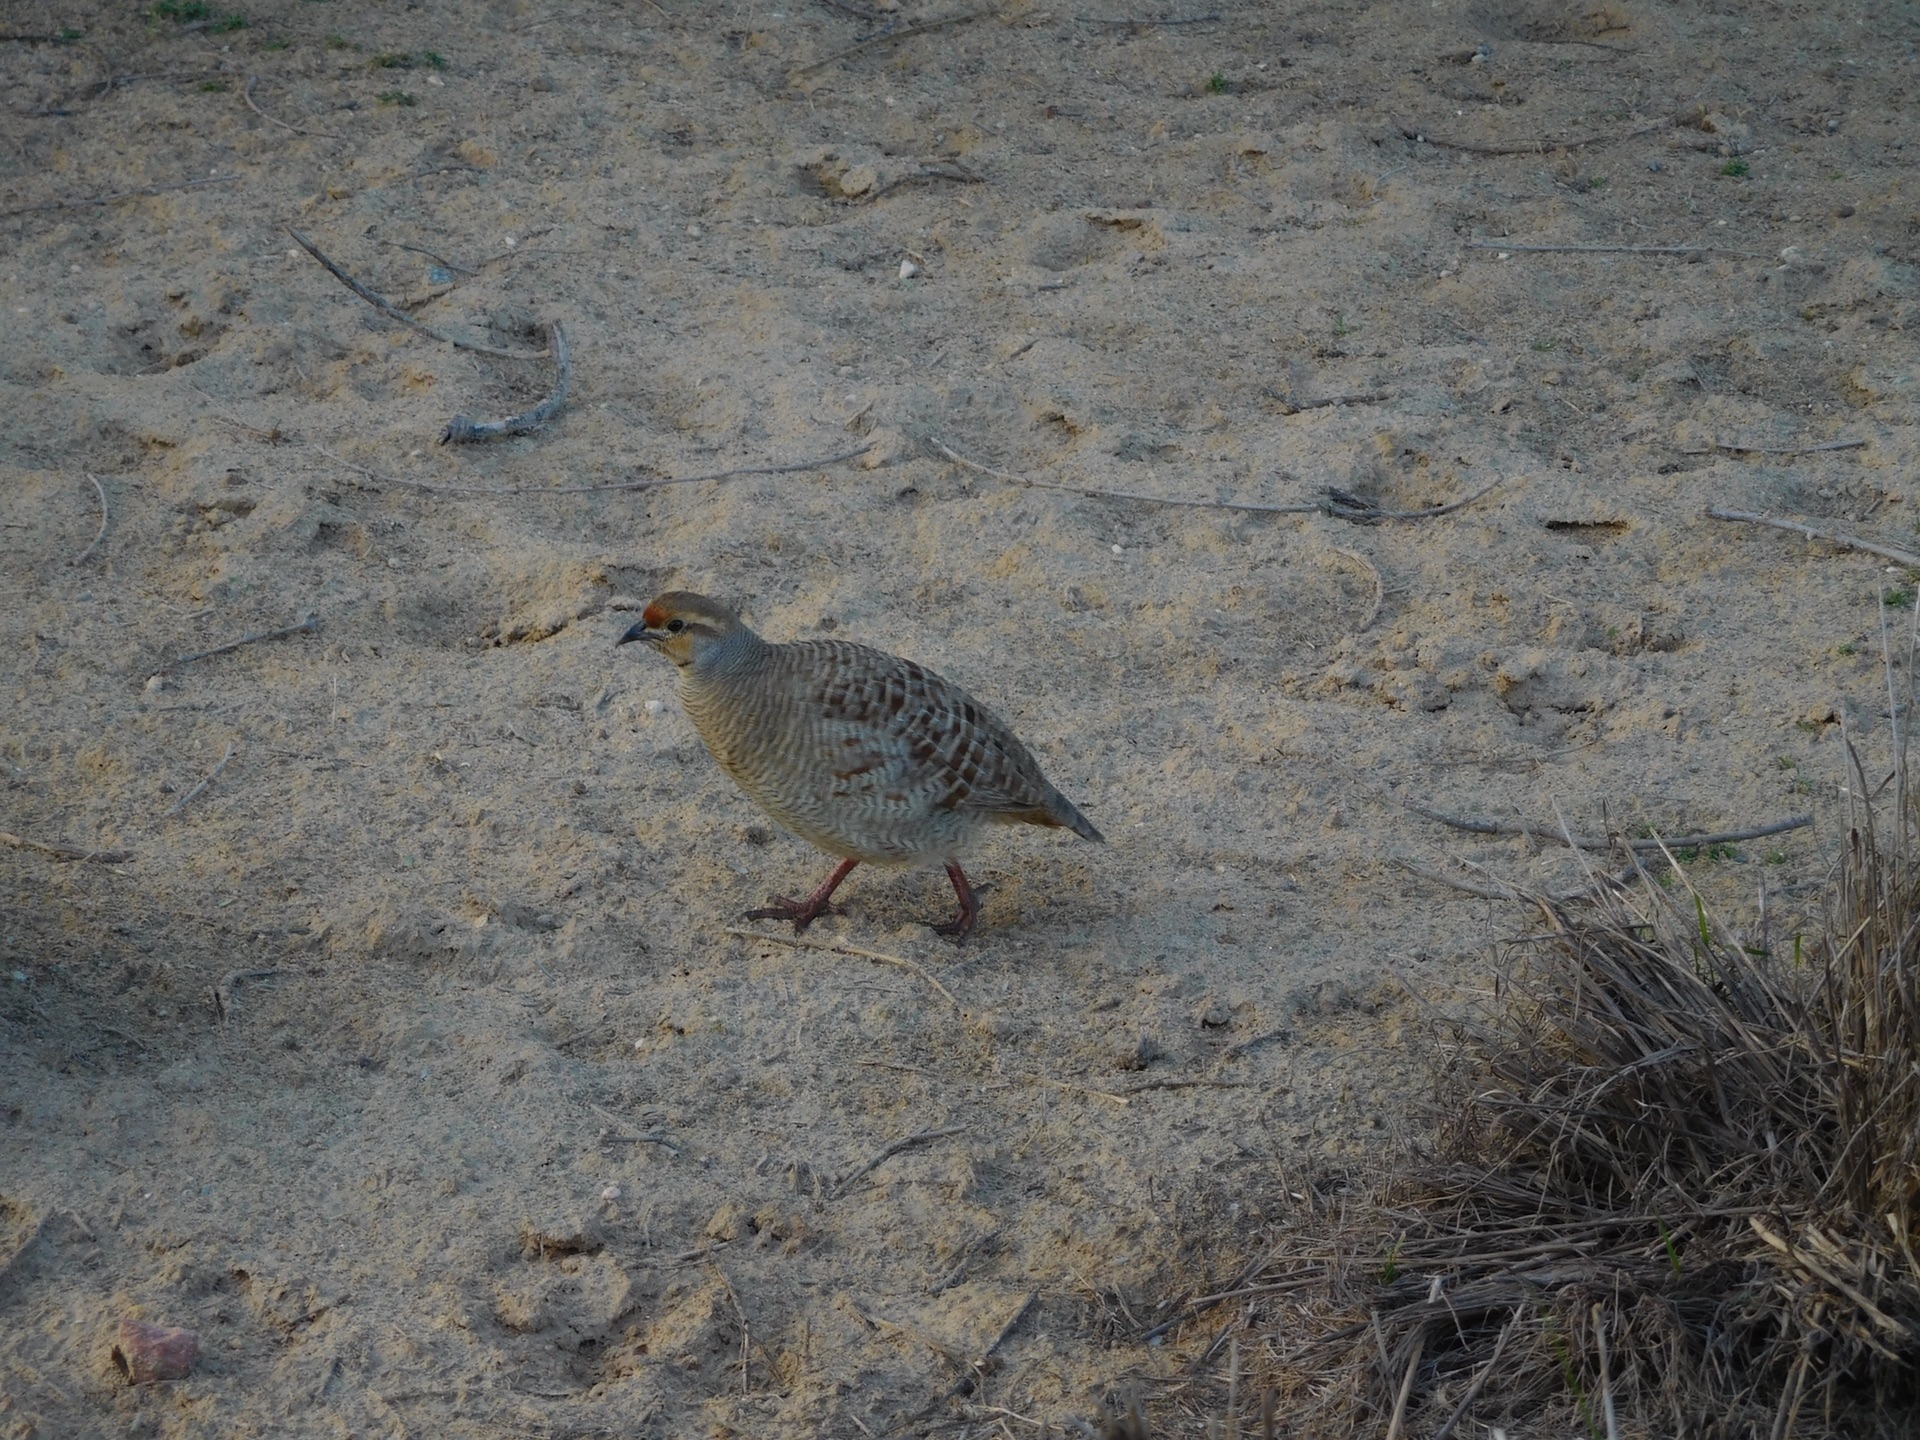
(674, 627)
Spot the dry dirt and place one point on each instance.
(514, 1136)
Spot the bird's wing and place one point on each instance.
(907, 737)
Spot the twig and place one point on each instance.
(1605, 842)
(1152, 22)
(440, 260)
(1073, 1089)
(832, 947)
(212, 775)
(223, 992)
(309, 622)
(119, 195)
(1338, 504)
(1504, 890)
(1343, 506)
(1847, 542)
(1769, 450)
(1241, 1047)
(1289, 406)
(632, 1133)
(1171, 1084)
(101, 533)
(1406, 1386)
(954, 171)
(1479, 1381)
(907, 1142)
(461, 428)
(886, 35)
(1608, 249)
(1599, 1313)
(65, 852)
(819, 463)
(247, 95)
(1379, 587)
(1536, 147)
(394, 312)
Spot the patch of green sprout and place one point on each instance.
(1217, 83)
(396, 97)
(1737, 168)
(214, 87)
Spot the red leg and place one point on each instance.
(804, 912)
(962, 924)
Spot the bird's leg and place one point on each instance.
(804, 912)
(962, 924)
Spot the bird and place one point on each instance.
(865, 755)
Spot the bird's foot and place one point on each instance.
(961, 926)
(956, 929)
(801, 912)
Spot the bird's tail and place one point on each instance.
(1062, 811)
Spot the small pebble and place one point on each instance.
(612, 1192)
(908, 270)
(654, 707)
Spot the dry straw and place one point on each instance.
(1673, 1191)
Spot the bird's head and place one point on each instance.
(686, 628)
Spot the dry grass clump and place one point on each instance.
(1675, 1192)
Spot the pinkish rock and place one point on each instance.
(146, 1353)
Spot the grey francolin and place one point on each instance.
(868, 756)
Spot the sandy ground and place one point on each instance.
(515, 1136)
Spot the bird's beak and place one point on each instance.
(640, 631)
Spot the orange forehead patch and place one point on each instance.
(653, 617)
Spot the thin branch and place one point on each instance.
(440, 260)
(1536, 147)
(120, 195)
(212, 775)
(1504, 890)
(1479, 1380)
(1338, 503)
(926, 174)
(820, 463)
(1150, 23)
(309, 622)
(1770, 450)
(462, 429)
(1605, 842)
(908, 1142)
(394, 312)
(889, 35)
(65, 852)
(799, 943)
(632, 1132)
(101, 533)
(1599, 1313)
(1290, 406)
(1609, 249)
(247, 95)
(1406, 1385)
(223, 993)
(1379, 587)
(1848, 542)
